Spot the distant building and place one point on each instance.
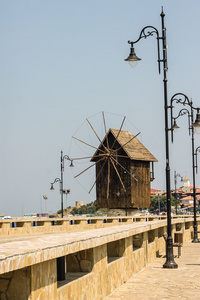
(186, 185)
(183, 193)
(155, 192)
(79, 203)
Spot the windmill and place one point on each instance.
(122, 167)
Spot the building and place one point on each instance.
(123, 172)
(183, 193)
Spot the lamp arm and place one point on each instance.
(66, 157)
(56, 180)
(146, 32)
(182, 112)
(182, 99)
(196, 151)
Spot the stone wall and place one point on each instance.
(96, 261)
(16, 285)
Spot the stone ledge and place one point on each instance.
(22, 253)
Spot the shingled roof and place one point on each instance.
(134, 149)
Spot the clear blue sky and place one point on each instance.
(62, 62)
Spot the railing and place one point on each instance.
(47, 225)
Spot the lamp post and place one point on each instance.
(175, 183)
(159, 195)
(182, 99)
(196, 152)
(66, 192)
(45, 198)
(62, 191)
(133, 59)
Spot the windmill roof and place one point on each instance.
(134, 149)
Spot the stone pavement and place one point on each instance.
(154, 282)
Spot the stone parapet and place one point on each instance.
(23, 226)
(96, 261)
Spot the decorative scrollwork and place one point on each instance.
(56, 180)
(145, 32)
(181, 98)
(182, 112)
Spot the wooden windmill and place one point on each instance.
(123, 172)
(123, 175)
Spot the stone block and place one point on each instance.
(85, 265)
(72, 263)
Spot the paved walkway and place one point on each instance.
(154, 282)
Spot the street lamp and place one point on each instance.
(132, 59)
(62, 191)
(159, 195)
(175, 182)
(182, 99)
(66, 192)
(45, 198)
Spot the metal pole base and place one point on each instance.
(195, 239)
(170, 263)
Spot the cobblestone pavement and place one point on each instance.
(154, 282)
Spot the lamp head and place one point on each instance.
(52, 188)
(175, 127)
(71, 164)
(196, 124)
(132, 58)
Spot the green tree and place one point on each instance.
(162, 201)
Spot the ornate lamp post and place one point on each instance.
(175, 182)
(182, 99)
(62, 191)
(196, 152)
(133, 59)
(159, 196)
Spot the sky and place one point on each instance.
(61, 62)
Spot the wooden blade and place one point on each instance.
(87, 144)
(98, 176)
(78, 158)
(94, 130)
(104, 121)
(97, 135)
(127, 142)
(124, 168)
(108, 184)
(118, 175)
(118, 132)
(88, 167)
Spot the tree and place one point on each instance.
(163, 203)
